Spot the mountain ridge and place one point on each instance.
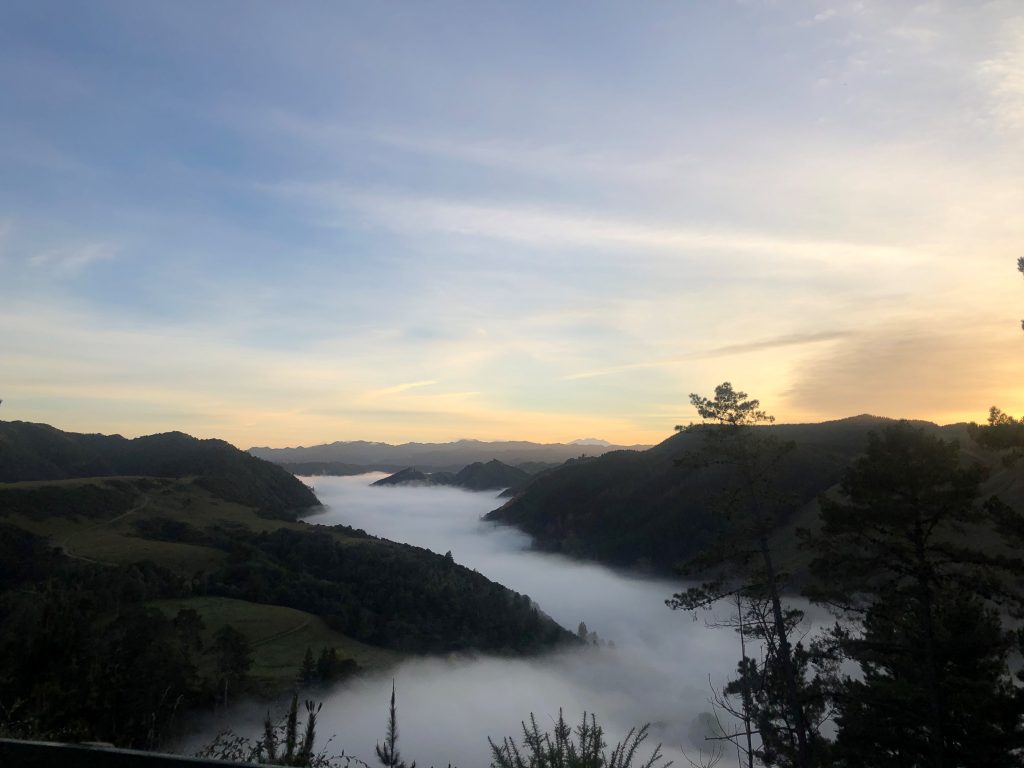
(640, 509)
(33, 451)
(347, 457)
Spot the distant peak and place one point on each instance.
(590, 441)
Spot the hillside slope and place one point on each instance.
(641, 509)
(31, 451)
(119, 590)
(211, 513)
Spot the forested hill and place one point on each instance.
(640, 508)
(31, 451)
(492, 476)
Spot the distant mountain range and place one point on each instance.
(348, 458)
(591, 441)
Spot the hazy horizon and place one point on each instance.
(979, 418)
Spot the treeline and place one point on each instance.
(923, 575)
(81, 657)
(387, 594)
(382, 593)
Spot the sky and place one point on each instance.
(292, 223)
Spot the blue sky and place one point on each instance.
(284, 223)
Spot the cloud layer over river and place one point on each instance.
(657, 671)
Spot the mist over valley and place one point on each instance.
(652, 665)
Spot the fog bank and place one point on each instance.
(656, 671)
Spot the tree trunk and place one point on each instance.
(924, 596)
(796, 710)
(746, 686)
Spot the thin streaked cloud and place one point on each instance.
(1002, 77)
(727, 350)
(68, 261)
(545, 227)
(398, 388)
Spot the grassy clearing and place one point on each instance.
(121, 549)
(111, 538)
(279, 636)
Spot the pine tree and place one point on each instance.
(896, 550)
(308, 670)
(233, 657)
(388, 754)
(327, 665)
(883, 715)
(560, 749)
(736, 436)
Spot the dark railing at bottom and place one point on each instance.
(42, 754)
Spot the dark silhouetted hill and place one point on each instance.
(640, 508)
(494, 475)
(408, 476)
(478, 476)
(31, 451)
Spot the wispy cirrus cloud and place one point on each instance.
(727, 350)
(399, 388)
(70, 260)
(546, 226)
(519, 156)
(1002, 77)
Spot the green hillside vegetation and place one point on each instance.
(106, 577)
(40, 452)
(278, 637)
(654, 509)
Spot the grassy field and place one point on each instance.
(279, 636)
(112, 538)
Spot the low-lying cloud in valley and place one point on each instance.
(657, 671)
